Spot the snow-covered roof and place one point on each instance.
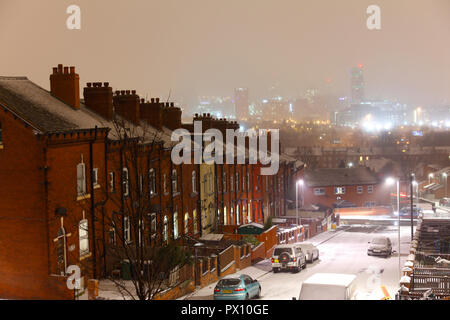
(337, 279)
(43, 111)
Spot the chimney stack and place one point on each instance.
(171, 117)
(99, 98)
(66, 86)
(152, 113)
(126, 104)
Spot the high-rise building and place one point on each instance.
(357, 84)
(241, 103)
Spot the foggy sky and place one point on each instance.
(209, 47)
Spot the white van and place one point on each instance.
(329, 286)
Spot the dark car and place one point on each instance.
(406, 212)
(380, 246)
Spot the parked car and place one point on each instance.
(406, 212)
(310, 250)
(237, 287)
(288, 257)
(328, 286)
(380, 246)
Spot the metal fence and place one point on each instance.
(436, 279)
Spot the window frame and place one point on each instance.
(83, 225)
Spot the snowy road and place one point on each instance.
(342, 252)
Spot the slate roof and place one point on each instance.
(340, 177)
(41, 110)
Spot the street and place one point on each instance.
(344, 251)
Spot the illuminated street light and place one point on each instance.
(300, 182)
(390, 181)
(445, 176)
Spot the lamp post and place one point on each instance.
(411, 179)
(299, 182)
(430, 176)
(445, 176)
(391, 181)
(197, 245)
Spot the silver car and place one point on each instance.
(380, 246)
(310, 250)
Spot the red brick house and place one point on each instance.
(64, 173)
(358, 187)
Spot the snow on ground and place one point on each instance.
(342, 251)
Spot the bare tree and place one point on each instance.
(126, 211)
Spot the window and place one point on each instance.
(225, 216)
(238, 218)
(112, 183)
(125, 182)
(153, 225)
(195, 222)
(95, 176)
(186, 223)
(339, 190)
(175, 225)
(369, 189)
(174, 181)
(258, 181)
(237, 182)
(141, 184)
(224, 182)
(249, 213)
(126, 229)
(112, 236)
(359, 189)
(370, 204)
(164, 184)
(267, 183)
(231, 183)
(248, 181)
(81, 179)
(152, 182)
(165, 229)
(83, 236)
(61, 251)
(194, 182)
(319, 191)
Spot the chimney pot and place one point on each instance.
(89, 84)
(117, 92)
(66, 70)
(55, 70)
(127, 92)
(142, 100)
(157, 100)
(122, 92)
(60, 68)
(172, 104)
(153, 100)
(72, 70)
(133, 91)
(106, 84)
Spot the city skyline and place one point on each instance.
(307, 45)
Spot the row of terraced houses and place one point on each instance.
(63, 171)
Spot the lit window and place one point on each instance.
(186, 223)
(153, 225)
(165, 228)
(95, 176)
(83, 236)
(164, 184)
(175, 225)
(339, 190)
(195, 222)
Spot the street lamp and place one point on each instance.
(391, 181)
(445, 176)
(301, 183)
